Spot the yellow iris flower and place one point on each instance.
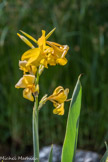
(37, 56)
(47, 52)
(58, 98)
(30, 69)
(28, 83)
(59, 53)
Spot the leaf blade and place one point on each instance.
(51, 155)
(105, 156)
(70, 141)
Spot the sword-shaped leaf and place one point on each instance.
(51, 154)
(105, 156)
(70, 141)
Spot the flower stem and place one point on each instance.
(35, 126)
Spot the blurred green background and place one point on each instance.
(83, 25)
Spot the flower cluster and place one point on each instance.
(33, 62)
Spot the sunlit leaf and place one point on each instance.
(70, 141)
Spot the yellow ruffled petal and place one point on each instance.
(30, 79)
(66, 91)
(59, 110)
(25, 80)
(58, 90)
(22, 65)
(27, 93)
(31, 69)
(62, 61)
(57, 47)
(51, 62)
(35, 60)
(34, 69)
(44, 63)
(60, 98)
(22, 83)
(30, 53)
(51, 59)
(59, 95)
(61, 50)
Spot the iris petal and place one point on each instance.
(27, 93)
(30, 53)
(62, 61)
(59, 110)
(22, 83)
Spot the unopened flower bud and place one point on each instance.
(36, 93)
(42, 101)
(41, 68)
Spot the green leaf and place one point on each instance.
(105, 157)
(70, 141)
(51, 154)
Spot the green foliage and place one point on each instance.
(83, 25)
(70, 141)
(105, 157)
(51, 154)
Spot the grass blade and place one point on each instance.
(51, 154)
(105, 156)
(70, 141)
